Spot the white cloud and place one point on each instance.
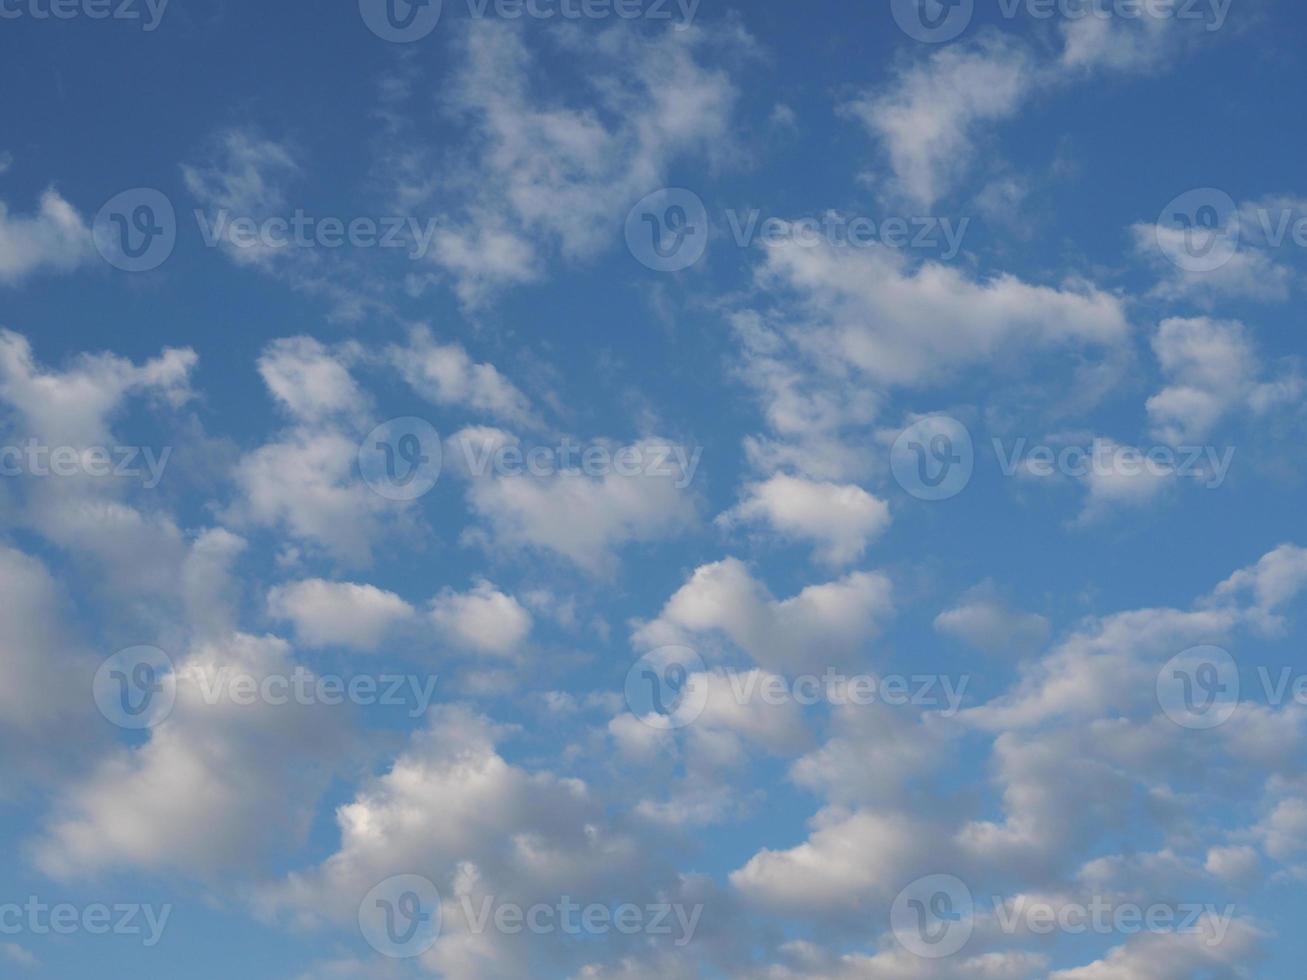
(244, 178)
(484, 619)
(204, 795)
(824, 625)
(55, 238)
(582, 518)
(73, 407)
(1177, 956)
(305, 485)
(1211, 369)
(310, 381)
(549, 177)
(984, 621)
(928, 117)
(502, 831)
(339, 613)
(445, 375)
(841, 519)
(847, 859)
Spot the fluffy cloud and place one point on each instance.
(928, 118)
(310, 381)
(984, 621)
(484, 620)
(582, 518)
(339, 613)
(549, 176)
(445, 375)
(55, 238)
(73, 407)
(841, 519)
(1211, 369)
(824, 625)
(204, 795)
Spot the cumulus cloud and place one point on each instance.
(584, 519)
(203, 796)
(1212, 369)
(310, 381)
(984, 621)
(445, 375)
(824, 624)
(841, 519)
(344, 614)
(549, 175)
(929, 116)
(55, 239)
(484, 620)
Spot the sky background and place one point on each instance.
(527, 163)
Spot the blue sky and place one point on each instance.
(822, 484)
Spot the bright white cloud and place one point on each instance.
(344, 614)
(55, 238)
(841, 519)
